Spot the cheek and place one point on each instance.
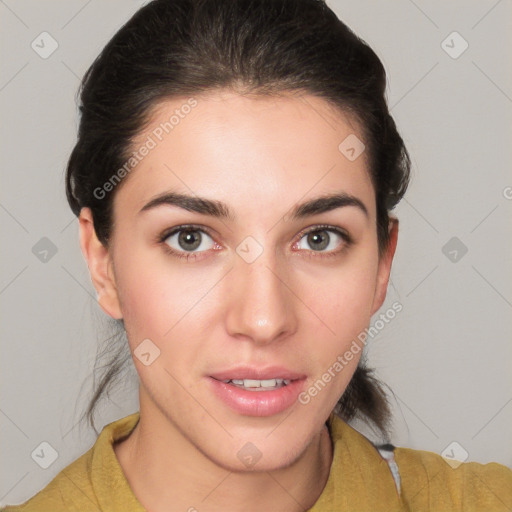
(160, 300)
(343, 297)
(343, 303)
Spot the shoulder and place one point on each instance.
(424, 480)
(70, 490)
(439, 483)
(93, 482)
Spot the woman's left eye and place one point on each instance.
(320, 241)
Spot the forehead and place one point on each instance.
(253, 152)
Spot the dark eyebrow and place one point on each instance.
(327, 203)
(221, 210)
(192, 204)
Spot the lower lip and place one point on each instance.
(258, 403)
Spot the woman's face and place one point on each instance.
(252, 291)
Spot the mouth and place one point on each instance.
(257, 392)
(258, 385)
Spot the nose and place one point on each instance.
(261, 304)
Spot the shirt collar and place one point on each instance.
(108, 480)
(359, 477)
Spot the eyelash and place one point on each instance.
(193, 255)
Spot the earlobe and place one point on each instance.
(99, 262)
(384, 268)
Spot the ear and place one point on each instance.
(384, 268)
(99, 261)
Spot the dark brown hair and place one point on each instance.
(184, 47)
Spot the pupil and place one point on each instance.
(190, 237)
(317, 237)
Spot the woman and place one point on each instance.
(234, 174)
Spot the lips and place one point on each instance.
(242, 390)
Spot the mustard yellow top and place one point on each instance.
(360, 479)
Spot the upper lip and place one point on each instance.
(254, 373)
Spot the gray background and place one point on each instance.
(447, 355)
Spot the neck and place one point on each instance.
(166, 472)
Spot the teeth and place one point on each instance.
(252, 383)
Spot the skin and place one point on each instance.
(291, 306)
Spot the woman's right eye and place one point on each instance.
(186, 241)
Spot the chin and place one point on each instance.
(260, 455)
